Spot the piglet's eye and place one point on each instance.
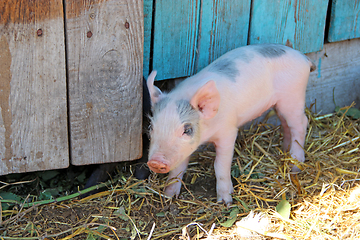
(188, 130)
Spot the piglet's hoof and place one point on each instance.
(227, 202)
(295, 170)
(225, 197)
(173, 189)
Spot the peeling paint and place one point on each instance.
(319, 68)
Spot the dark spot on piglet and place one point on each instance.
(226, 67)
(271, 50)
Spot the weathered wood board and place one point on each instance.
(224, 26)
(337, 76)
(175, 38)
(299, 24)
(104, 52)
(344, 20)
(33, 119)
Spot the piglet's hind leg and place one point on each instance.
(286, 132)
(293, 117)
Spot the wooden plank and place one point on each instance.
(33, 119)
(224, 26)
(148, 9)
(105, 51)
(299, 24)
(175, 38)
(344, 20)
(337, 76)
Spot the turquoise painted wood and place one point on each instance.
(300, 24)
(190, 34)
(175, 37)
(344, 20)
(148, 6)
(224, 26)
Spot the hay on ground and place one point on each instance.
(324, 197)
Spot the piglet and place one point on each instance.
(211, 105)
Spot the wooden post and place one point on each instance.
(33, 119)
(104, 53)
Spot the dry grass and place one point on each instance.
(324, 197)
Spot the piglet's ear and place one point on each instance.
(207, 100)
(155, 92)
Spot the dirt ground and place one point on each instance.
(128, 208)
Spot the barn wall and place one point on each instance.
(188, 35)
(337, 77)
(299, 24)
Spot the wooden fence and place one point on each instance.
(70, 70)
(189, 34)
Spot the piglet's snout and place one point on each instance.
(158, 165)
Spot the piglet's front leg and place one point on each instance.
(175, 176)
(224, 154)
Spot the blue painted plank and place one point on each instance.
(148, 7)
(175, 37)
(344, 20)
(224, 26)
(300, 24)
